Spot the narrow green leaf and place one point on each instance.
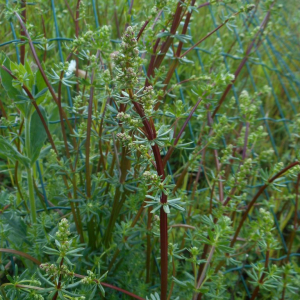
(7, 150)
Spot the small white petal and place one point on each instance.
(71, 68)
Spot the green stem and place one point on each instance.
(29, 171)
(202, 277)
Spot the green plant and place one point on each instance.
(142, 137)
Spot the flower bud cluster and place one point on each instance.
(50, 269)
(78, 105)
(90, 278)
(255, 134)
(240, 182)
(102, 38)
(255, 31)
(6, 122)
(63, 232)
(67, 67)
(225, 224)
(195, 158)
(219, 129)
(247, 107)
(266, 155)
(156, 184)
(21, 74)
(263, 227)
(293, 172)
(106, 77)
(127, 119)
(278, 167)
(194, 258)
(36, 282)
(259, 132)
(54, 270)
(127, 60)
(194, 251)
(151, 177)
(227, 154)
(161, 3)
(122, 117)
(52, 157)
(83, 9)
(216, 50)
(82, 130)
(148, 100)
(227, 78)
(124, 137)
(82, 40)
(266, 90)
(132, 146)
(247, 8)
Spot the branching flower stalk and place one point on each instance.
(260, 191)
(151, 135)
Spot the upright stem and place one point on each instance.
(163, 228)
(148, 253)
(201, 279)
(295, 225)
(156, 60)
(22, 48)
(88, 135)
(70, 10)
(59, 281)
(31, 195)
(151, 135)
(217, 162)
(29, 171)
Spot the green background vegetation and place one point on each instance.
(97, 179)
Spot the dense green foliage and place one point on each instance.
(149, 150)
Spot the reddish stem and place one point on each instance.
(37, 262)
(151, 135)
(184, 29)
(261, 280)
(207, 36)
(260, 191)
(142, 29)
(70, 10)
(51, 90)
(36, 107)
(59, 280)
(22, 48)
(243, 62)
